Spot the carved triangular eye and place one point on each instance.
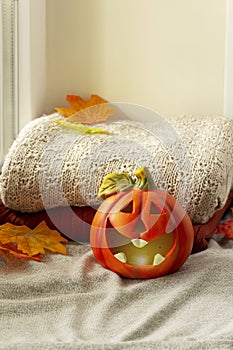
(128, 208)
(154, 209)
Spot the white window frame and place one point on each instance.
(31, 60)
(8, 72)
(29, 70)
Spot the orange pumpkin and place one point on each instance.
(140, 232)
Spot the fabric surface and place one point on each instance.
(71, 302)
(191, 158)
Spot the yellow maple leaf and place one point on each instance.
(11, 248)
(33, 241)
(66, 112)
(77, 103)
(92, 115)
(93, 110)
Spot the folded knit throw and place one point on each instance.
(190, 157)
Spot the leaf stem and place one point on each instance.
(80, 127)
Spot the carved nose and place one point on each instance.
(139, 227)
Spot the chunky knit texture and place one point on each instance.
(190, 157)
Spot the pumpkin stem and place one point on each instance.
(144, 180)
(114, 183)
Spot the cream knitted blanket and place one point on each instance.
(191, 158)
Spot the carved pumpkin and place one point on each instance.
(139, 232)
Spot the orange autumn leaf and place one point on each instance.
(11, 248)
(226, 228)
(33, 241)
(92, 115)
(93, 110)
(77, 103)
(66, 112)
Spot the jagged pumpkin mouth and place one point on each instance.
(138, 251)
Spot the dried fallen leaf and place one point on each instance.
(33, 241)
(11, 248)
(93, 110)
(66, 112)
(77, 103)
(226, 228)
(91, 115)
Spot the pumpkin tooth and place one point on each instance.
(121, 257)
(139, 243)
(158, 259)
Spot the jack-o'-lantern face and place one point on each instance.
(136, 230)
(141, 233)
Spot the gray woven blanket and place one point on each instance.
(71, 302)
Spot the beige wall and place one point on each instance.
(164, 54)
